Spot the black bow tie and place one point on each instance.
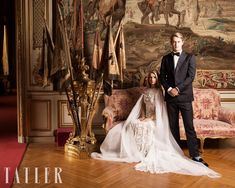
(176, 53)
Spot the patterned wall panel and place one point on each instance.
(38, 22)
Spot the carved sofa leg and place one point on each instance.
(202, 140)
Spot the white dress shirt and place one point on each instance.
(176, 59)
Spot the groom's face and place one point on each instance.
(177, 44)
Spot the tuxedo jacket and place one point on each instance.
(182, 76)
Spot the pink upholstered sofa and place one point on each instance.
(210, 119)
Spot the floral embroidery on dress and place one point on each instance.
(143, 131)
(149, 103)
(143, 134)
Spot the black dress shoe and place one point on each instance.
(200, 160)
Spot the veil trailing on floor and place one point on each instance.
(164, 154)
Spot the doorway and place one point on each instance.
(8, 98)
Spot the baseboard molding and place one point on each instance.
(48, 139)
(21, 139)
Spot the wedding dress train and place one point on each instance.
(149, 142)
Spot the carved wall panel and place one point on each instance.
(64, 119)
(40, 115)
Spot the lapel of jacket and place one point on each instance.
(180, 61)
(171, 63)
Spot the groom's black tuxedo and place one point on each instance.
(181, 77)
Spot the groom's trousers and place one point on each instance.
(186, 110)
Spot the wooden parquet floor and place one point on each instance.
(90, 173)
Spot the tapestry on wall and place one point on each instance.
(208, 26)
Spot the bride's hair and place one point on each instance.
(157, 78)
(158, 84)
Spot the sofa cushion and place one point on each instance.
(206, 104)
(122, 101)
(210, 128)
(227, 115)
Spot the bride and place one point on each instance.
(145, 137)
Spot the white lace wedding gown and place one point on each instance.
(149, 142)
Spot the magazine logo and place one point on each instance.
(44, 175)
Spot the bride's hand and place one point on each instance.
(142, 118)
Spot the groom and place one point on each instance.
(176, 75)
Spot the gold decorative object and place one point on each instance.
(82, 98)
(82, 92)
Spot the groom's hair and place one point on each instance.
(177, 34)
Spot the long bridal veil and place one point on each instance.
(164, 154)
